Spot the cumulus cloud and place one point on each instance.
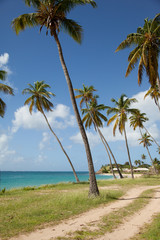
(6, 154)
(4, 58)
(45, 140)
(60, 118)
(147, 106)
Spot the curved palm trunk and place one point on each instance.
(151, 159)
(119, 172)
(151, 136)
(74, 172)
(102, 138)
(93, 189)
(129, 158)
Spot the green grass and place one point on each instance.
(150, 231)
(23, 210)
(112, 220)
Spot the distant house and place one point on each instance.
(141, 170)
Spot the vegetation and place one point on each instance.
(24, 210)
(6, 90)
(52, 14)
(40, 100)
(146, 51)
(121, 111)
(95, 117)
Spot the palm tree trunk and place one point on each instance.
(74, 172)
(128, 152)
(119, 172)
(151, 159)
(105, 142)
(93, 189)
(151, 136)
(102, 138)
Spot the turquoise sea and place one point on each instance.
(18, 179)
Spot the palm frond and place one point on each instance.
(133, 61)
(73, 29)
(2, 108)
(23, 21)
(6, 89)
(3, 74)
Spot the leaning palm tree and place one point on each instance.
(121, 112)
(93, 116)
(5, 89)
(146, 141)
(154, 93)
(147, 48)
(40, 100)
(52, 14)
(137, 119)
(90, 100)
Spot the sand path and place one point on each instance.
(133, 224)
(94, 215)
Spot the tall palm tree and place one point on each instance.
(154, 93)
(5, 89)
(147, 48)
(40, 100)
(52, 14)
(121, 112)
(146, 141)
(137, 119)
(90, 100)
(94, 116)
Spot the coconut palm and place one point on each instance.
(40, 100)
(146, 141)
(52, 14)
(143, 156)
(90, 100)
(5, 89)
(154, 93)
(121, 112)
(137, 119)
(93, 116)
(147, 47)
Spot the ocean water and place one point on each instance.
(10, 180)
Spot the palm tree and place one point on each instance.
(121, 111)
(137, 119)
(5, 89)
(154, 93)
(52, 14)
(90, 100)
(40, 100)
(143, 156)
(147, 47)
(146, 141)
(93, 116)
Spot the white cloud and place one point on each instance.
(147, 106)
(7, 155)
(60, 118)
(45, 140)
(4, 59)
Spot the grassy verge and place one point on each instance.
(23, 210)
(112, 220)
(150, 231)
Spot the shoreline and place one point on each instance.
(125, 175)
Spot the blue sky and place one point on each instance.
(25, 141)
